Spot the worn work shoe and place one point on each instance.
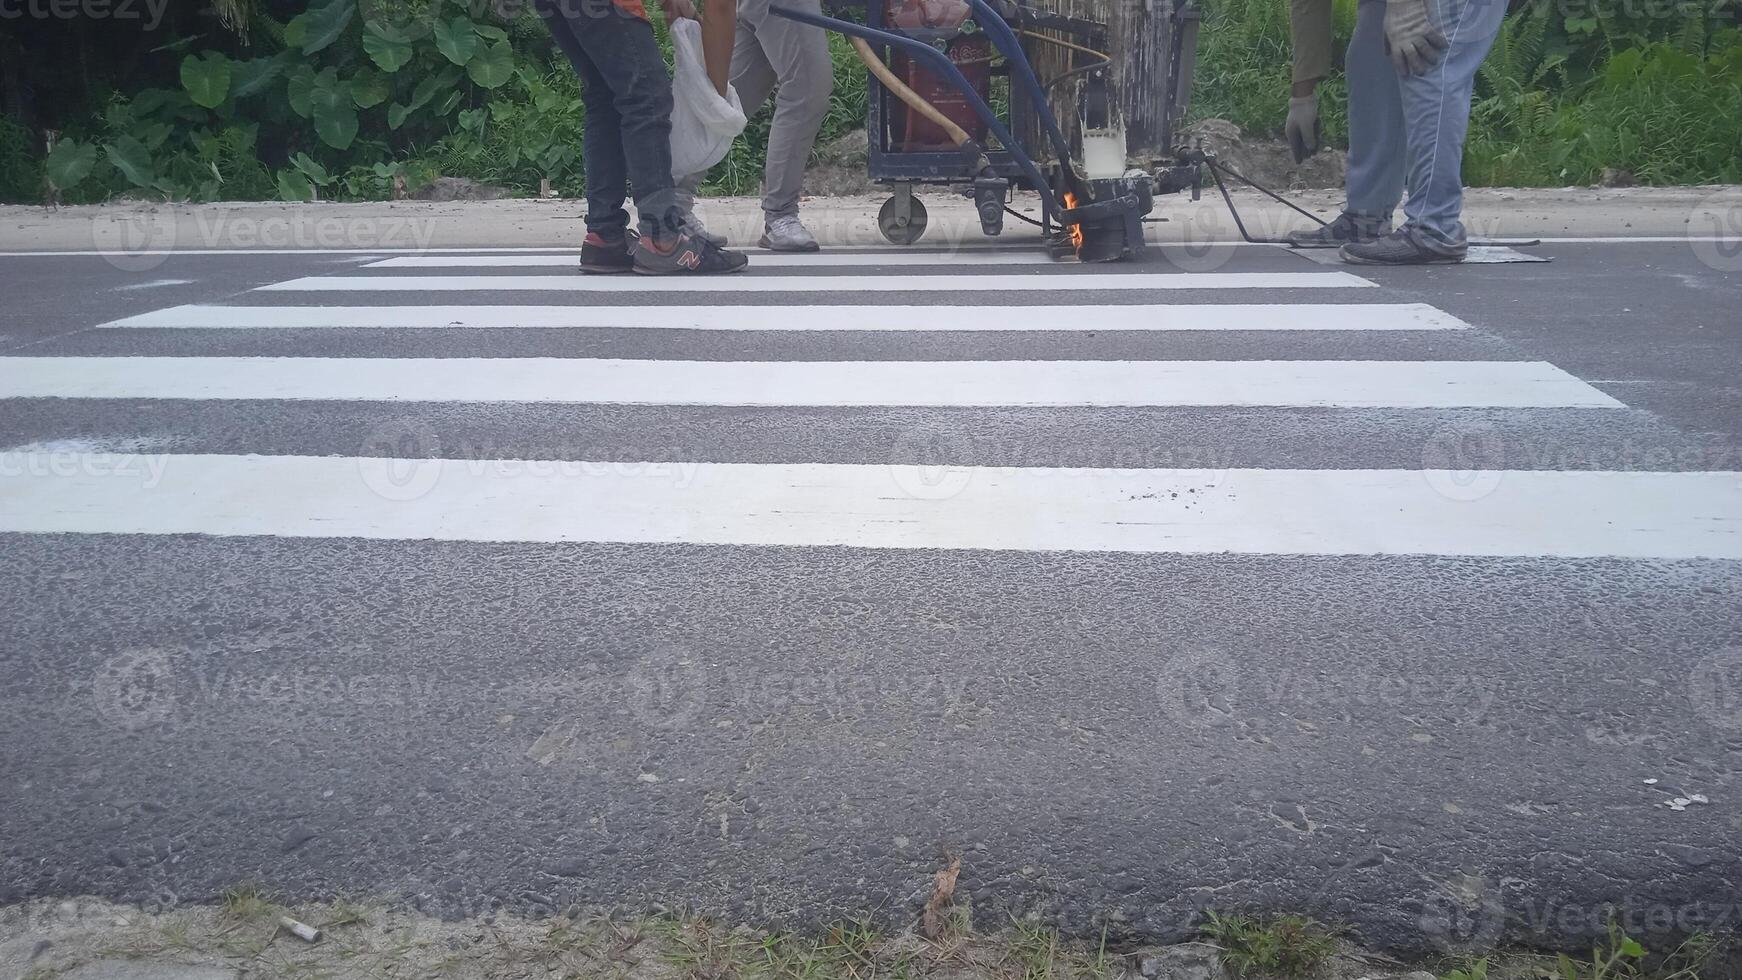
(787, 234)
(686, 255)
(1348, 228)
(605, 256)
(1402, 247)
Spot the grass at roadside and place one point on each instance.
(373, 940)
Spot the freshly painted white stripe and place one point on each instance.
(1295, 512)
(761, 260)
(414, 250)
(1227, 316)
(757, 283)
(1352, 384)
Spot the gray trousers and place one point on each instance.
(775, 55)
(1408, 131)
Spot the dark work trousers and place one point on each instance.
(627, 94)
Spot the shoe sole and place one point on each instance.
(765, 243)
(606, 270)
(689, 272)
(1436, 260)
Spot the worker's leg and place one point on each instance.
(1376, 127)
(752, 79)
(804, 78)
(602, 140)
(617, 39)
(1437, 110)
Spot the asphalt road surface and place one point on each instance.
(1410, 599)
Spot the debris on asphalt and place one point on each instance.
(943, 889)
(302, 930)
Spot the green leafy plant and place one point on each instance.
(1288, 946)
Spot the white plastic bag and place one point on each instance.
(703, 125)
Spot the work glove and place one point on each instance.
(1303, 129)
(1411, 39)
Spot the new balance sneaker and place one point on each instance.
(686, 255)
(1346, 229)
(787, 234)
(1405, 246)
(606, 256)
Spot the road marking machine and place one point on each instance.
(1080, 101)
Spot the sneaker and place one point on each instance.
(687, 256)
(693, 227)
(606, 256)
(787, 234)
(1402, 247)
(1346, 229)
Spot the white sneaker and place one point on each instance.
(787, 234)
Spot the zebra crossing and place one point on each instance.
(752, 490)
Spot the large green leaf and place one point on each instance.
(293, 186)
(70, 163)
(490, 31)
(133, 160)
(335, 115)
(389, 54)
(316, 28)
(456, 40)
(369, 88)
(493, 66)
(206, 78)
(308, 167)
(254, 76)
(300, 86)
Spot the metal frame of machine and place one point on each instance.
(1097, 216)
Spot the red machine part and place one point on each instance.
(972, 54)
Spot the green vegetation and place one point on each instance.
(1290, 946)
(1571, 88)
(351, 99)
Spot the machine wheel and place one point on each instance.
(902, 219)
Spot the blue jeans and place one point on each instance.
(627, 94)
(1407, 131)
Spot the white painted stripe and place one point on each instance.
(1352, 384)
(1295, 512)
(759, 260)
(757, 283)
(1227, 316)
(1034, 243)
